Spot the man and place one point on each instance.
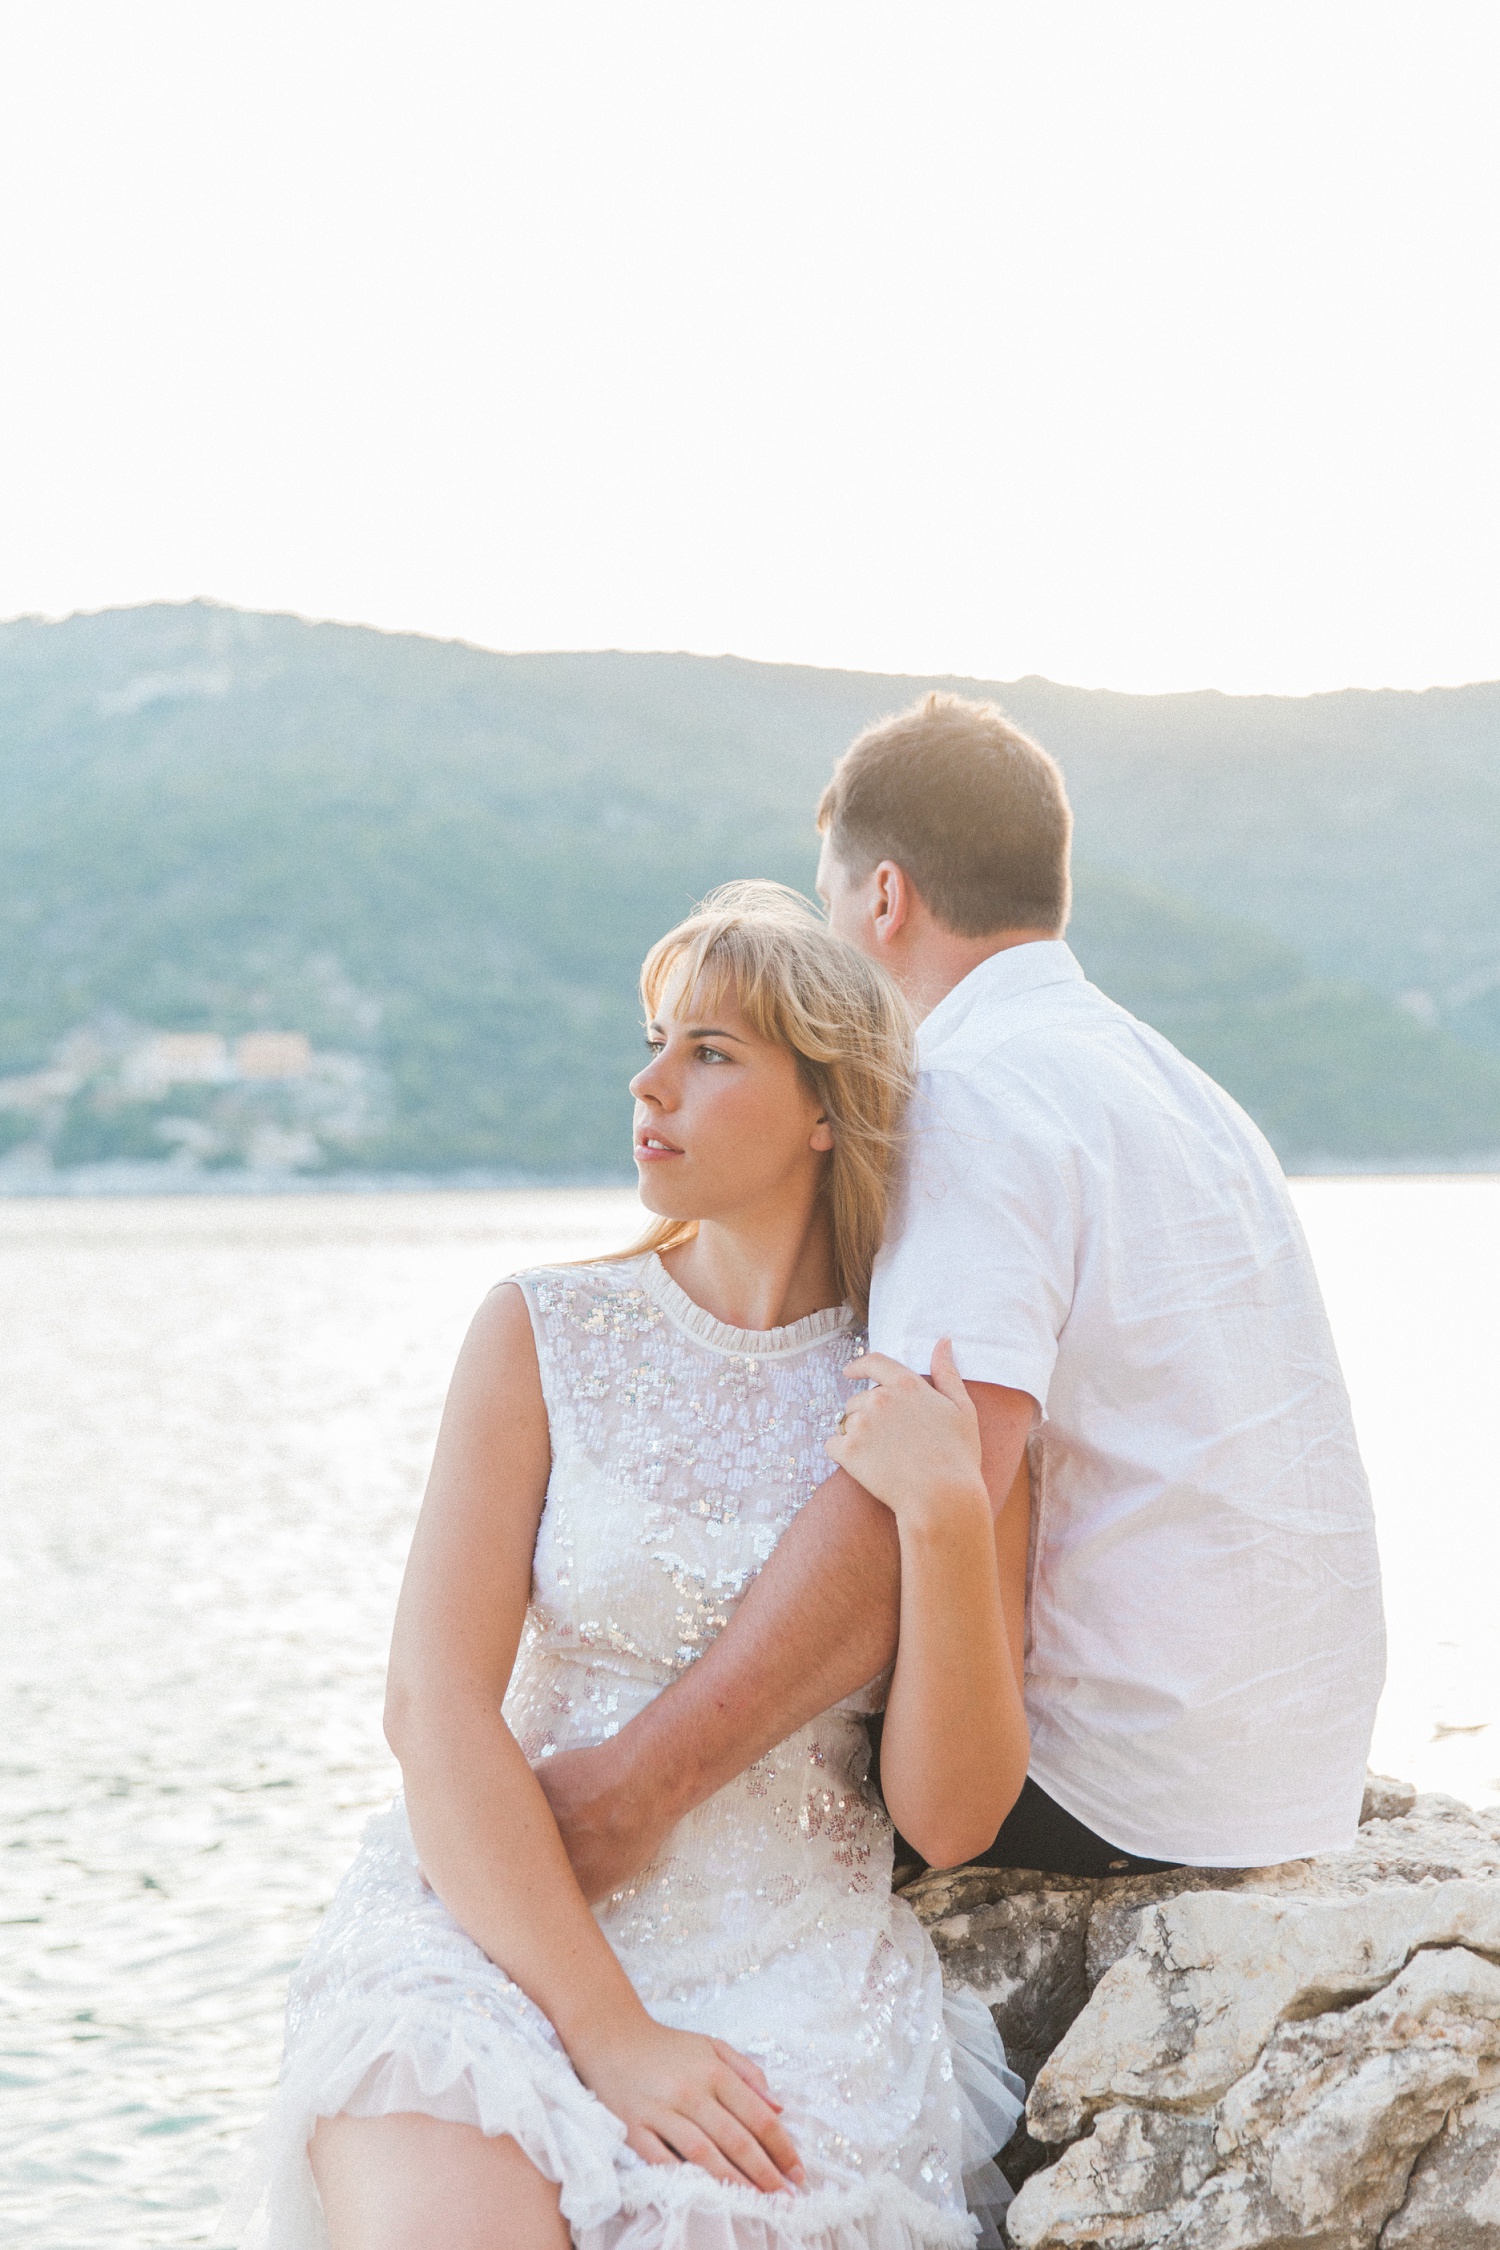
(1110, 1243)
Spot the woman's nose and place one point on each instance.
(656, 1081)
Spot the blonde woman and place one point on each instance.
(747, 2047)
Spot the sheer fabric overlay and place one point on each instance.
(682, 1449)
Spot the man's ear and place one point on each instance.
(893, 901)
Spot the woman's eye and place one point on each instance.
(712, 1054)
(654, 1046)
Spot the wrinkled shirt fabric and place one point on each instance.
(1095, 1222)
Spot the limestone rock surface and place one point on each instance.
(1250, 2059)
(1386, 1798)
(1453, 2202)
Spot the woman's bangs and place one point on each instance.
(705, 965)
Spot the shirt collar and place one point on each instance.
(1004, 976)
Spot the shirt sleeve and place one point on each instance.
(983, 1243)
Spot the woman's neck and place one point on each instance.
(758, 1276)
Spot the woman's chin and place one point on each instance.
(656, 1194)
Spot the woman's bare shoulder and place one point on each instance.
(498, 1362)
(503, 1311)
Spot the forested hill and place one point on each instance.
(440, 866)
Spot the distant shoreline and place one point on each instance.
(172, 1180)
(167, 1180)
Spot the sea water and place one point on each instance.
(216, 1414)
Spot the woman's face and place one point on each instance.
(723, 1122)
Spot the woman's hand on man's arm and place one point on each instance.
(914, 1444)
(948, 1459)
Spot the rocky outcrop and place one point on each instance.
(1453, 2200)
(1252, 2059)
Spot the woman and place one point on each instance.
(746, 2048)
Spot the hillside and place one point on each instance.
(442, 866)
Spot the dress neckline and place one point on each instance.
(760, 1342)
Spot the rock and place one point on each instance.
(1247, 2059)
(1318, 2141)
(1386, 1799)
(1439, 1841)
(1117, 2189)
(1183, 2014)
(1020, 1940)
(1453, 2202)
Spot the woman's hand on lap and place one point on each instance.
(688, 2099)
(911, 1443)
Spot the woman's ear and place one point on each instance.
(822, 1137)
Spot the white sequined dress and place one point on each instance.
(681, 1451)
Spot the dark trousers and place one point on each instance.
(1036, 1833)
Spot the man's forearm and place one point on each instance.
(818, 1623)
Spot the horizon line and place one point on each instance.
(733, 656)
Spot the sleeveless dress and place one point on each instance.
(681, 1449)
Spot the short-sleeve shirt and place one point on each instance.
(1093, 1221)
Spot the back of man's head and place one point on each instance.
(971, 809)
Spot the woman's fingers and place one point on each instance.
(746, 2151)
(945, 1375)
(758, 2116)
(718, 2144)
(875, 1367)
(693, 2100)
(694, 2146)
(750, 2071)
(651, 2146)
(911, 1442)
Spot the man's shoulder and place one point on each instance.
(1068, 1046)
(1079, 1071)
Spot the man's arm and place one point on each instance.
(817, 1624)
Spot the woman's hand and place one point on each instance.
(914, 1445)
(686, 2099)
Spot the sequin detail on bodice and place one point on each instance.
(682, 1449)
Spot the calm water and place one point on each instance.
(217, 1414)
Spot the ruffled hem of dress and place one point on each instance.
(991, 2102)
(685, 2210)
(402, 2053)
(427, 2056)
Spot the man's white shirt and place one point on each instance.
(1094, 1221)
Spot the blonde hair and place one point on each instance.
(845, 1021)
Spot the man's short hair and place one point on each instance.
(966, 805)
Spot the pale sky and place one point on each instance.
(1142, 345)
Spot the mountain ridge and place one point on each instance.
(211, 604)
(444, 862)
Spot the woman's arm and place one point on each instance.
(486, 1839)
(954, 1749)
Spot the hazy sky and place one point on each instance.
(1143, 345)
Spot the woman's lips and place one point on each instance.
(652, 1150)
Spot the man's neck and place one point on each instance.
(939, 959)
